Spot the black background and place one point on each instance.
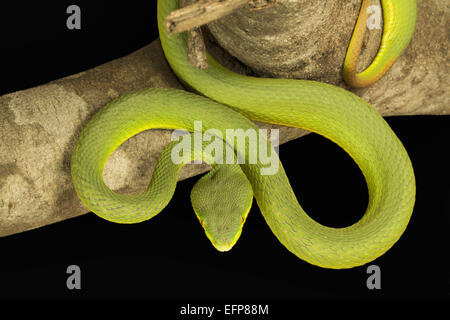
(169, 257)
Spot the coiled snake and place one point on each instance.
(222, 198)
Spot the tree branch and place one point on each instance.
(196, 50)
(200, 13)
(194, 13)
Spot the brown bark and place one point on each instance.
(39, 125)
(200, 12)
(196, 50)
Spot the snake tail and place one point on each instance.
(399, 20)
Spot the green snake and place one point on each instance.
(222, 198)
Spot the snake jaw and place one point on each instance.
(221, 243)
(221, 240)
(225, 235)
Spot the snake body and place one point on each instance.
(229, 100)
(399, 19)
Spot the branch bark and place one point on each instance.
(39, 125)
(196, 49)
(200, 13)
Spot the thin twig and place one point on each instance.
(196, 50)
(260, 4)
(200, 13)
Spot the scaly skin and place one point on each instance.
(399, 21)
(330, 111)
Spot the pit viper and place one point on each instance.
(222, 100)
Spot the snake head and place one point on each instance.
(221, 200)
